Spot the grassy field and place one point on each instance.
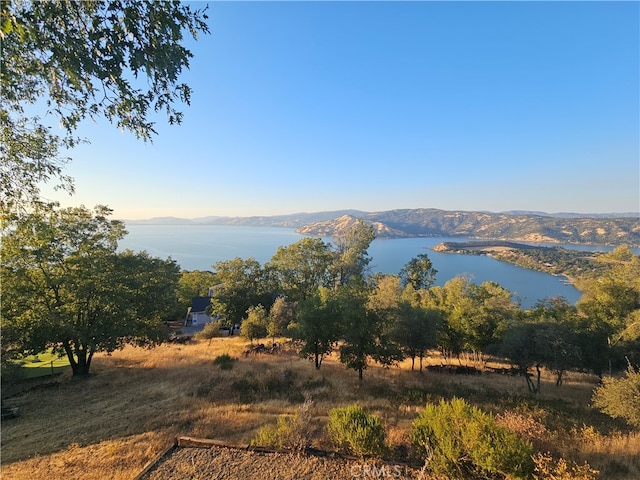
(137, 400)
(43, 365)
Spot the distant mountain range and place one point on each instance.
(596, 229)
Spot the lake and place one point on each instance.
(198, 247)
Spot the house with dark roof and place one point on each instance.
(197, 313)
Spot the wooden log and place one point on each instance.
(208, 443)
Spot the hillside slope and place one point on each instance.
(525, 228)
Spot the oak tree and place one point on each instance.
(66, 287)
(301, 268)
(317, 325)
(69, 60)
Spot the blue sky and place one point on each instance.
(313, 106)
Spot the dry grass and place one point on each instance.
(111, 424)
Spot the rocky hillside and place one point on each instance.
(594, 229)
(523, 227)
(343, 224)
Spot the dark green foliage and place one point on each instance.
(416, 330)
(461, 441)
(317, 325)
(357, 431)
(194, 284)
(474, 315)
(418, 272)
(65, 286)
(274, 385)
(366, 333)
(119, 60)
(301, 268)
(224, 361)
(247, 386)
(243, 284)
(255, 325)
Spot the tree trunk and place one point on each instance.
(79, 358)
(360, 374)
(413, 361)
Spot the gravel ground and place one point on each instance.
(184, 463)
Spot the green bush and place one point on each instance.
(224, 361)
(353, 429)
(620, 397)
(247, 386)
(209, 331)
(290, 432)
(462, 441)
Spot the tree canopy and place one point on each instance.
(300, 268)
(66, 287)
(118, 59)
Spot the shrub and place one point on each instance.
(224, 361)
(209, 331)
(204, 389)
(290, 432)
(462, 441)
(272, 385)
(620, 397)
(357, 431)
(246, 386)
(548, 468)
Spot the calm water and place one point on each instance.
(198, 247)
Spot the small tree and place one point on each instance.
(317, 326)
(367, 333)
(416, 331)
(281, 315)
(255, 325)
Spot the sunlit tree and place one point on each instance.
(66, 287)
(112, 59)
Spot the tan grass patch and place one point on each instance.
(138, 400)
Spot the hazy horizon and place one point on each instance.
(159, 217)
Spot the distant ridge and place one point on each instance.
(596, 229)
(293, 220)
(575, 215)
